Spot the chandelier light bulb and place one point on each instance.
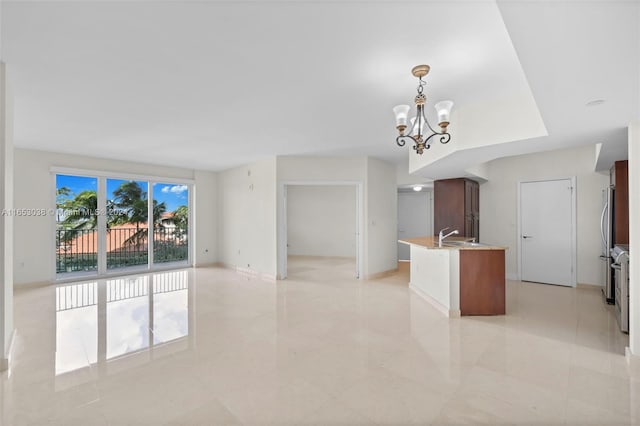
(443, 108)
(401, 112)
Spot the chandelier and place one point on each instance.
(416, 133)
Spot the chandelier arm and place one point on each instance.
(402, 140)
(415, 123)
(444, 139)
(427, 121)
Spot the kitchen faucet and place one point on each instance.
(441, 237)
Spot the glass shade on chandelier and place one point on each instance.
(417, 133)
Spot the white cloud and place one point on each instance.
(175, 189)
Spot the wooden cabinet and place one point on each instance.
(620, 180)
(482, 282)
(456, 204)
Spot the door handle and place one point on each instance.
(527, 236)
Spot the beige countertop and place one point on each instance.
(431, 242)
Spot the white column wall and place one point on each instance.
(381, 218)
(6, 221)
(247, 237)
(634, 238)
(205, 216)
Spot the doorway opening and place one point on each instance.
(320, 234)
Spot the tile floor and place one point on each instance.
(212, 347)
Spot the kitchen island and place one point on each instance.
(459, 278)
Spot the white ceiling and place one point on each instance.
(211, 85)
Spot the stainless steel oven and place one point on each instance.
(620, 254)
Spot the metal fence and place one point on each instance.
(77, 250)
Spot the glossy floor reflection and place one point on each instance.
(209, 347)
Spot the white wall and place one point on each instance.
(321, 220)
(403, 177)
(634, 238)
(414, 218)
(321, 169)
(381, 217)
(498, 203)
(6, 222)
(35, 189)
(206, 217)
(247, 217)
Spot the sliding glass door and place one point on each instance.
(127, 223)
(110, 225)
(171, 223)
(76, 225)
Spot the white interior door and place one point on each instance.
(547, 231)
(414, 218)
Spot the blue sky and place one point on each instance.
(173, 195)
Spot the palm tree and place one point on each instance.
(158, 210)
(62, 196)
(181, 220)
(130, 200)
(76, 215)
(80, 211)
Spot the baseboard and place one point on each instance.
(249, 272)
(246, 271)
(208, 265)
(449, 313)
(313, 256)
(588, 286)
(268, 277)
(633, 361)
(513, 277)
(32, 285)
(382, 274)
(5, 361)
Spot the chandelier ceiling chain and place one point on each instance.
(415, 134)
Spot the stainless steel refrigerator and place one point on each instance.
(606, 232)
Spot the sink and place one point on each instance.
(462, 244)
